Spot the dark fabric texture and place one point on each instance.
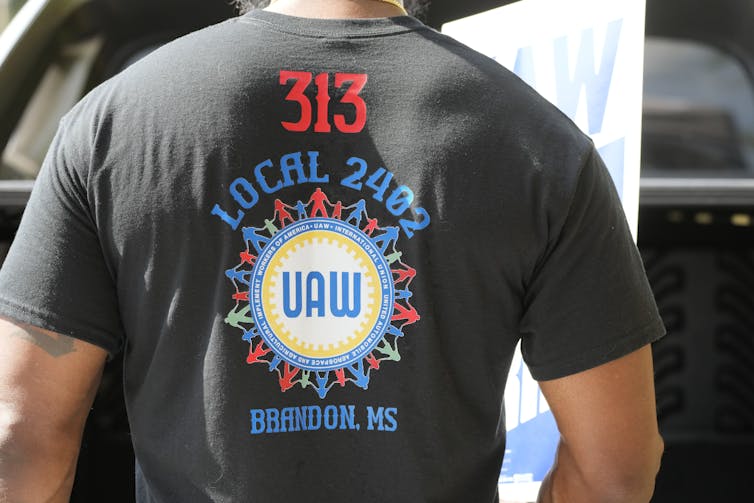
(141, 229)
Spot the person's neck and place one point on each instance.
(335, 9)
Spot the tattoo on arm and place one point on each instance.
(55, 345)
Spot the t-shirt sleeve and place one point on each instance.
(588, 302)
(55, 275)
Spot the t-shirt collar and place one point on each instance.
(334, 28)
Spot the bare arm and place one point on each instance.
(610, 447)
(47, 385)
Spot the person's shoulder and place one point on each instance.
(189, 54)
(456, 55)
(169, 77)
(485, 81)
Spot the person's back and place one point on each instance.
(318, 242)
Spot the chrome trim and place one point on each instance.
(696, 192)
(19, 26)
(15, 193)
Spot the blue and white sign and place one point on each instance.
(586, 57)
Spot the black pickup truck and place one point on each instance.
(696, 229)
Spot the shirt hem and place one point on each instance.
(24, 314)
(602, 354)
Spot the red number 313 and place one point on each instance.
(301, 80)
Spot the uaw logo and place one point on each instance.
(321, 293)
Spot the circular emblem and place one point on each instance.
(322, 294)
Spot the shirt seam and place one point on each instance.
(586, 358)
(58, 324)
(386, 32)
(561, 227)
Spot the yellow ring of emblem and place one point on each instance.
(371, 278)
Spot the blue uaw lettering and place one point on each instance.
(345, 305)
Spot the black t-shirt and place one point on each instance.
(317, 244)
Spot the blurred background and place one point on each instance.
(696, 230)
